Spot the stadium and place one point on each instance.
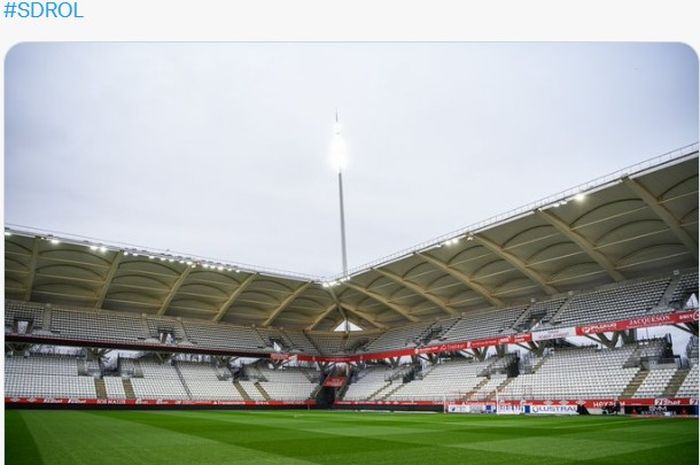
(565, 330)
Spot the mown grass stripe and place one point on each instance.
(20, 448)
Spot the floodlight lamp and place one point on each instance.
(580, 197)
(103, 249)
(339, 157)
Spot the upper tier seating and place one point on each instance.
(101, 326)
(687, 285)
(398, 338)
(337, 343)
(484, 324)
(611, 303)
(225, 336)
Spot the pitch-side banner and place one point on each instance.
(557, 333)
(642, 322)
(173, 402)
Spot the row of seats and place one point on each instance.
(203, 382)
(689, 387)
(655, 383)
(450, 380)
(589, 373)
(46, 376)
(369, 381)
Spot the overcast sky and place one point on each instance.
(222, 150)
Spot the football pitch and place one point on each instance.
(337, 438)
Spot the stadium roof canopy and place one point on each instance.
(641, 221)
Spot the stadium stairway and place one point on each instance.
(539, 363)
(675, 382)
(391, 391)
(82, 369)
(376, 394)
(128, 388)
(182, 381)
(501, 387)
(241, 391)
(475, 389)
(666, 298)
(634, 384)
(262, 391)
(308, 375)
(521, 319)
(311, 341)
(555, 318)
(100, 388)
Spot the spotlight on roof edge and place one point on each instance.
(54, 241)
(580, 197)
(8, 233)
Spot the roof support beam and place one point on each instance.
(322, 316)
(463, 278)
(418, 290)
(173, 290)
(381, 299)
(583, 243)
(363, 315)
(108, 279)
(662, 212)
(285, 303)
(226, 306)
(515, 262)
(32, 269)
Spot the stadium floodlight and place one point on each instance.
(103, 249)
(8, 233)
(339, 154)
(55, 241)
(580, 197)
(93, 248)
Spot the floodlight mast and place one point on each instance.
(338, 150)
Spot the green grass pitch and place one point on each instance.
(339, 438)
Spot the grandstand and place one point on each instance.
(493, 312)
